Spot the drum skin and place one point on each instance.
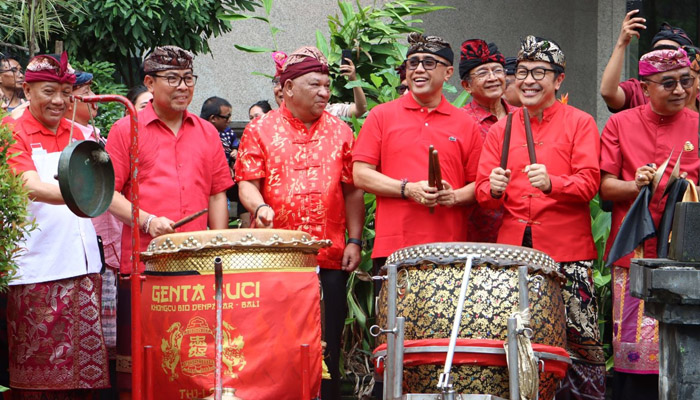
(270, 304)
(429, 280)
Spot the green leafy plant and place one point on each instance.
(125, 29)
(13, 211)
(600, 227)
(103, 82)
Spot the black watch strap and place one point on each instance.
(355, 241)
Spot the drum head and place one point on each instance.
(86, 178)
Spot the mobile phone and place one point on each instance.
(345, 53)
(635, 5)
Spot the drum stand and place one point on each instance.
(393, 371)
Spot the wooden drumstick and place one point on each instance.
(437, 171)
(528, 137)
(506, 142)
(188, 218)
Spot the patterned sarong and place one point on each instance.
(585, 378)
(635, 336)
(55, 335)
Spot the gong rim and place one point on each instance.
(86, 184)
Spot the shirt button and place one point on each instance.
(422, 110)
(426, 124)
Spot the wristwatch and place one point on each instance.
(358, 242)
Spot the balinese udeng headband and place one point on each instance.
(476, 52)
(303, 61)
(429, 44)
(47, 68)
(668, 32)
(166, 58)
(694, 57)
(662, 60)
(534, 48)
(511, 63)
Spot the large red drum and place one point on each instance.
(430, 276)
(271, 306)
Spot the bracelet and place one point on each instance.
(147, 224)
(404, 181)
(355, 241)
(255, 214)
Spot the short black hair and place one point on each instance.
(212, 106)
(264, 106)
(135, 92)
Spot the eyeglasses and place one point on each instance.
(176, 80)
(401, 88)
(484, 74)
(537, 73)
(14, 70)
(429, 63)
(670, 84)
(226, 117)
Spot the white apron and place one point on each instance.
(63, 245)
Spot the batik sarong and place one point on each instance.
(55, 335)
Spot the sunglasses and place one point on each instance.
(670, 84)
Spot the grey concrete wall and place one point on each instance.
(586, 31)
(227, 72)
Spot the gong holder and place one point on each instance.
(394, 356)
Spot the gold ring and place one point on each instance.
(422, 200)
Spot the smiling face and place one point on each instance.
(426, 85)
(48, 101)
(667, 102)
(170, 98)
(537, 95)
(486, 83)
(12, 76)
(307, 96)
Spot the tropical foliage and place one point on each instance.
(13, 211)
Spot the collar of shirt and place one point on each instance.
(483, 113)
(547, 114)
(658, 119)
(443, 108)
(296, 122)
(31, 125)
(148, 115)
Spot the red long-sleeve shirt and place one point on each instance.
(568, 144)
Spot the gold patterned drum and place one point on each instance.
(429, 279)
(271, 307)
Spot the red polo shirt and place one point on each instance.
(28, 131)
(302, 171)
(634, 95)
(396, 137)
(483, 223)
(567, 143)
(176, 174)
(636, 137)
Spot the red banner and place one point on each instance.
(266, 317)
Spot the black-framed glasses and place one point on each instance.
(176, 80)
(14, 70)
(226, 117)
(537, 73)
(428, 63)
(670, 84)
(484, 74)
(402, 88)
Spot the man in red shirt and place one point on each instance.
(56, 346)
(182, 169)
(628, 94)
(391, 156)
(483, 74)
(632, 140)
(546, 201)
(294, 172)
